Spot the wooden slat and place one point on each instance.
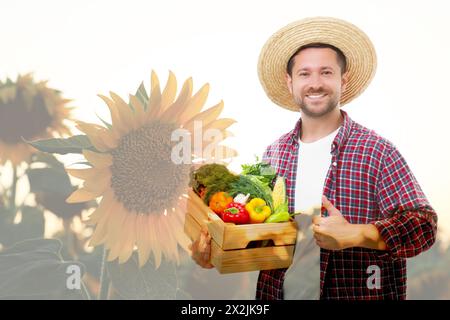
(203, 215)
(238, 236)
(197, 208)
(191, 227)
(243, 260)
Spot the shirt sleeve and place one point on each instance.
(265, 156)
(410, 225)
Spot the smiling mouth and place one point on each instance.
(315, 96)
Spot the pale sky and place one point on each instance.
(91, 47)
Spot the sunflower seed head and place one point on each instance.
(144, 178)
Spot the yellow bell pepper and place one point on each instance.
(258, 210)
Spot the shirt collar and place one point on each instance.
(339, 140)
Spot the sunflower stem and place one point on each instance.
(84, 292)
(14, 189)
(70, 239)
(104, 280)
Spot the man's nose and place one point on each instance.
(315, 82)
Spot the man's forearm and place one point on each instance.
(368, 237)
(334, 232)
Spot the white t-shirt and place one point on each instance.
(302, 279)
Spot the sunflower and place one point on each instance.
(143, 191)
(29, 110)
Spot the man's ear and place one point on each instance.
(288, 79)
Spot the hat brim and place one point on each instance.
(354, 43)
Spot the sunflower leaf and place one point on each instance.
(141, 94)
(49, 180)
(33, 269)
(32, 225)
(108, 125)
(74, 144)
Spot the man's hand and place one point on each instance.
(336, 233)
(333, 232)
(201, 249)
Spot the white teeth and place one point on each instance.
(316, 96)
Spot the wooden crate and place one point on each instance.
(231, 245)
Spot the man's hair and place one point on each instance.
(342, 61)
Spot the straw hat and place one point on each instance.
(354, 43)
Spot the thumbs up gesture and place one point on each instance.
(334, 232)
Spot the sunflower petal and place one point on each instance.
(130, 239)
(115, 224)
(115, 117)
(98, 135)
(179, 105)
(98, 236)
(227, 134)
(98, 185)
(101, 216)
(15, 156)
(148, 230)
(181, 237)
(63, 131)
(138, 110)
(98, 160)
(169, 92)
(141, 239)
(219, 152)
(205, 117)
(154, 102)
(178, 228)
(115, 242)
(220, 124)
(195, 104)
(153, 225)
(81, 195)
(114, 250)
(85, 174)
(125, 112)
(102, 212)
(166, 231)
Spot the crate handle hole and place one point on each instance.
(260, 244)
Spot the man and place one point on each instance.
(374, 214)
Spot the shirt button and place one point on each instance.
(334, 164)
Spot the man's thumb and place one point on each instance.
(332, 211)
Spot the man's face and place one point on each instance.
(316, 82)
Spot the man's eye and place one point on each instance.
(327, 73)
(303, 74)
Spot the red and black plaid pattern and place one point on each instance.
(370, 183)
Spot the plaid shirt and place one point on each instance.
(370, 183)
